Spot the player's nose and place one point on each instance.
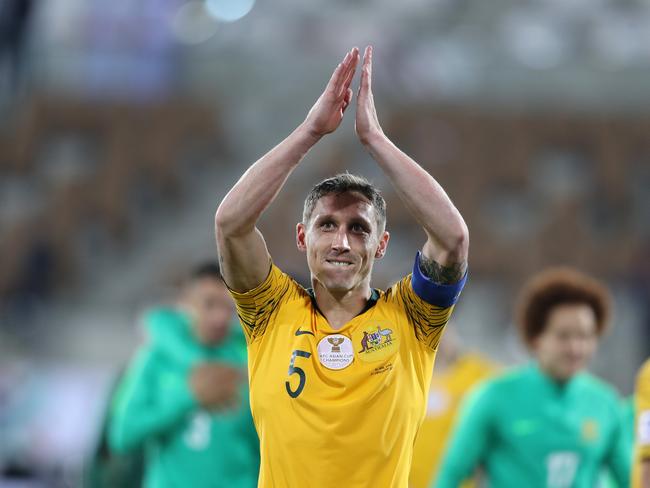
(340, 242)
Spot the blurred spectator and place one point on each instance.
(184, 396)
(107, 469)
(14, 18)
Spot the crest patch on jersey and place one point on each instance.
(589, 430)
(375, 342)
(335, 351)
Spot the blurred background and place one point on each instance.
(123, 124)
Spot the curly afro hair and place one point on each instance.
(559, 286)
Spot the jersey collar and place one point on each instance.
(372, 301)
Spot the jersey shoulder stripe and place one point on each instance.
(256, 308)
(427, 320)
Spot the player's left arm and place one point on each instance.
(444, 255)
(619, 455)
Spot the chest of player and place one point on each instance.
(302, 362)
(546, 423)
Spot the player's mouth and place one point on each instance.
(339, 263)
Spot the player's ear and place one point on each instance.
(301, 237)
(383, 245)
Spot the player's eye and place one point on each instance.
(359, 228)
(327, 225)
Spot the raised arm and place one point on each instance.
(243, 254)
(444, 255)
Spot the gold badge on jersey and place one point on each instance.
(589, 430)
(375, 342)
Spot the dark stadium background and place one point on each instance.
(122, 124)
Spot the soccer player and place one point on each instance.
(641, 472)
(457, 370)
(548, 424)
(339, 373)
(183, 398)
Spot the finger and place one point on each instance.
(338, 72)
(347, 99)
(366, 73)
(348, 96)
(350, 74)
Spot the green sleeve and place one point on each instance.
(150, 402)
(254, 441)
(469, 439)
(619, 454)
(169, 329)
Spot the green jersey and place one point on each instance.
(155, 407)
(526, 430)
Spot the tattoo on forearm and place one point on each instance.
(443, 275)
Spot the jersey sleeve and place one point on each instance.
(642, 428)
(141, 411)
(619, 454)
(428, 304)
(257, 307)
(470, 438)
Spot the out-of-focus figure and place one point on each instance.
(456, 372)
(14, 20)
(105, 468)
(641, 472)
(548, 424)
(184, 396)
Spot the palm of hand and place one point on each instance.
(327, 113)
(366, 121)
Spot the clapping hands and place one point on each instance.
(327, 113)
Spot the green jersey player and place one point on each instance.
(184, 397)
(548, 424)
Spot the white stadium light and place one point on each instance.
(229, 10)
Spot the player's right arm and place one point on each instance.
(469, 440)
(141, 412)
(152, 401)
(243, 255)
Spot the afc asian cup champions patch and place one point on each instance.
(335, 351)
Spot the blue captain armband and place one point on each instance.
(435, 293)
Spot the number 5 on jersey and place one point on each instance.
(296, 370)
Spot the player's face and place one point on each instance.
(568, 341)
(342, 240)
(211, 309)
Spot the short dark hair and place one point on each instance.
(205, 269)
(559, 286)
(345, 183)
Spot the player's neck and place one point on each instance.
(340, 308)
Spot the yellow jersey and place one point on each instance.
(339, 408)
(446, 393)
(642, 422)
